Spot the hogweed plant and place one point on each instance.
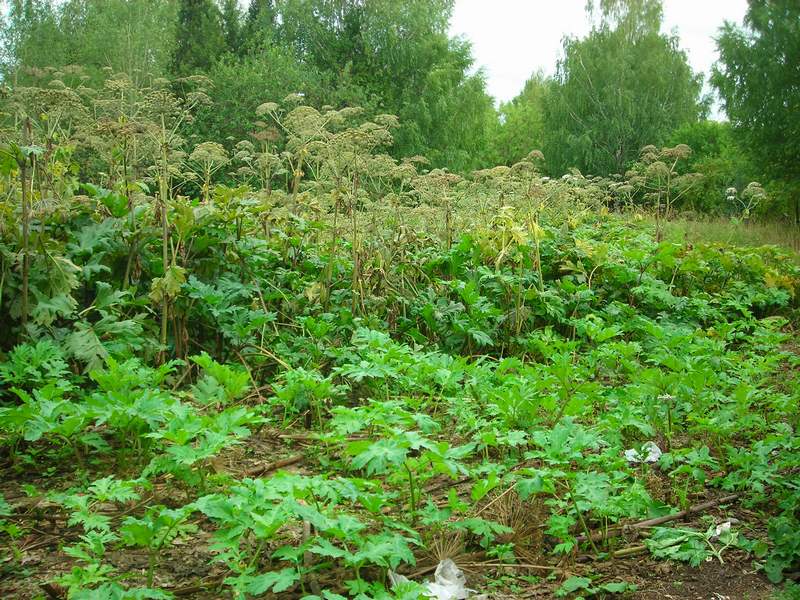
(376, 361)
(746, 202)
(657, 177)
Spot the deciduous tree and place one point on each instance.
(521, 125)
(199, 39)
(758, 78)
(622, 87)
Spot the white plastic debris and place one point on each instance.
(653, 453)
(449, 583)
(722, 528)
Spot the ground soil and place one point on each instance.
(187, 568)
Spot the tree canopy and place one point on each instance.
(624, 86)
(199, 38)
(758, 79)
(521, 122)
(134, 36)
(389, 57)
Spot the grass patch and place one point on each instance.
(726, 231)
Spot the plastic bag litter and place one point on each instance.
(653, 453)
(449, 583)
(722, 528)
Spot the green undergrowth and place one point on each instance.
(472, 367)
(513, 367)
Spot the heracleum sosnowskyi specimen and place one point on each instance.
(295, 363)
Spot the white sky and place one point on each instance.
(513, 38)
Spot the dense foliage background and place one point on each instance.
(253, 342)
(622, 87)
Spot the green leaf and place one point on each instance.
(573, 584)
(324, 548)
(117, 204)
(483, 487)
(276, 581)
(618, 587)
(5, 507)
(678, 544)
(49, 309)
(264, 527)
(377, 457)
(774, 567)
(168, 286)
(537, 484)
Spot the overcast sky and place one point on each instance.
(513, 38)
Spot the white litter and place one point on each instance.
(653, 453)
(722, 528)
(449, 583)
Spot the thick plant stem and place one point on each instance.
(126, 278)
(26, 230)
(132, 219)
(297, 175)
(411, 494)
(357, 299)
(447, 223)
(151, 568)
(331, 251)
(165, 301)
(26, 259)
(582, 521)
(163, 193)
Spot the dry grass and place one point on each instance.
(448, 544)
(525, 517)
(740, 234)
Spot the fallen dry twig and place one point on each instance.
(692, 510)
(278, 464)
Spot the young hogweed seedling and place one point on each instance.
(154, 530)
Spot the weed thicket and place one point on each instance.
(440, 346)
